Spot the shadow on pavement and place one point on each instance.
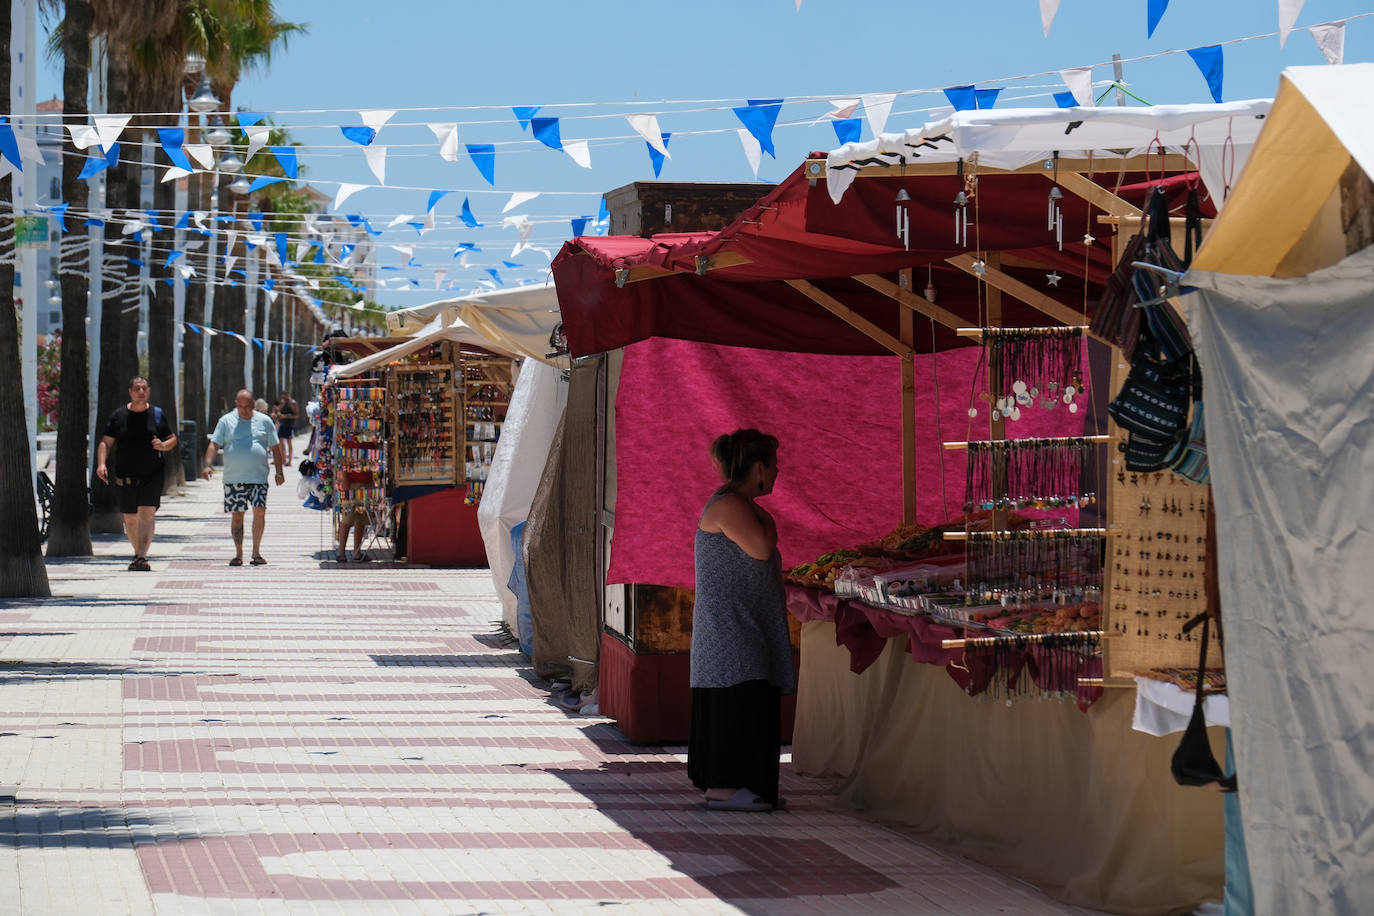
(731, 861)
(24, 671)
(38, 825)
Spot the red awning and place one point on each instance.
(729, 287)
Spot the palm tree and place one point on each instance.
(69, 529)
(22, 573)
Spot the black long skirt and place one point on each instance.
(735, 736)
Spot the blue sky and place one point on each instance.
(590, 63)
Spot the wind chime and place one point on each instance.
(1055, 212)
(1029, 474)
(1034, 365)
(961, 202)
(903, 218)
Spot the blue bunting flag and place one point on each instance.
(286, 156)
(172, 138)
(483, 155)
(360, 134)
(466, 216)
(1209, 61)
(655, 156)
(1154, 11)
(759, 117)
(963, 98)
(525, 114)
(545, 130)
(848, 130)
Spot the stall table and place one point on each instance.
(1068, 799)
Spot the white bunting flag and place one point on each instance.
(407, 250)
(1047, 10)
(1080, 83)
(1288, 14)
(133, 225)
(186, 271)
(579, 151)
(752, 150)
(173, 173)
(376, 118)
(877, 106)
(109, 127)
(646, 125)
(439, 277)
(229, 261)
(202, 153)
(376, 160)
(1330, 38)
(518, 198)
(399, 219)
(257, 138)
(840, 109)
(301, 249)
(346, 191)
(83, 137)
(29, 151)
(463, 259)
(447, 135)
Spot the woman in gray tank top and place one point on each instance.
(741, 653)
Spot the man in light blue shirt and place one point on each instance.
(246, 437)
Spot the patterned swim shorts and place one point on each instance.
(240, 497)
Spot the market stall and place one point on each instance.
(933, 210)
(432, 415)
(1279, 317)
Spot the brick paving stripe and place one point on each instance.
(305, 737)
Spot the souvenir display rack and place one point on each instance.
(425, 434)
(487, 388)
(357, 453)
(1156, 565)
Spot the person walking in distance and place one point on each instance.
(285, 412)
(246, 437)
(140, 436)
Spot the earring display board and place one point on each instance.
(487, 388)
(357, 451)
(426, 437)
(1155, 570)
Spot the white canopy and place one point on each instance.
(1010, 138)
(516, 322)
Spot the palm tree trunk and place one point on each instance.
(69, 528)
(22, 573)
(162, 358)
(113, 381)
(193, 381)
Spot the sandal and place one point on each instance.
(340, 558)
(140, 564)
(361, 558)
(257, 561)
(742, 800)
(237, 561)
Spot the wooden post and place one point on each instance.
(997, 426)
(906, 330)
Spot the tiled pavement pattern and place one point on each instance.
(308, 738)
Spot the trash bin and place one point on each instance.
(186, 441)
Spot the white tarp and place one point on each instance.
(1010, 138)
(521, 452)
(1288, 368)
(515, 321)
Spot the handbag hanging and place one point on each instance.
(1193, 763)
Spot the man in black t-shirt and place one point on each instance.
(142, 436)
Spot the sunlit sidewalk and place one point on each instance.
(304, 737)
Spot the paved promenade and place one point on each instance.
(304, 737)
